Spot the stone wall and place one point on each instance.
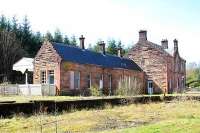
(96, 72)
(179, 72)
(153, 63)
(47, 59)
(167, 71)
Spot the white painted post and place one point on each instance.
(26, 78)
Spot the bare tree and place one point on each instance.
(10, 52)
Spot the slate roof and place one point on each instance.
(84, 56)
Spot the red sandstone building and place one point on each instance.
(72, 68)
(165, 71)
(149, 68)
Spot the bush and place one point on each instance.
(129, 86)
(106, 92)
(120, 92)
(94, 91)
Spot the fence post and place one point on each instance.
(4, 89)
(41, 89)
(49, 89)
(17, 89)
(29, 89)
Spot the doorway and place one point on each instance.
(150, 87)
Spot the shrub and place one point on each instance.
(106, 91)
(129, 86)
(94, 91)
(120, 92)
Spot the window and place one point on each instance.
(177, 83)
(129, 82)
(150, 84)
(99, 78)
(120, 81)
(51, 76)
(101, 82)
(169, 86)
(71, 79)
(88, 80)
(110, 83)
(76, 79)
(43, 77)
(150, 87)
(183, 82)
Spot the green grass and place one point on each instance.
(176, 116)
(167, 126)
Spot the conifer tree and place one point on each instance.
(58, 36)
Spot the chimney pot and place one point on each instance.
(102, 45)
(82, 39)
(175, 45)
(142, 35)
(119, 52)
(164, 43)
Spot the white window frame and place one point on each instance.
(75, 78)
(50, 73)
(43, 77)
(150, 87)
(110, 83)
(101, 82)
(71, 79)
(89, 79)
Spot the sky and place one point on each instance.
(118, 19)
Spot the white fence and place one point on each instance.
(33, 89)
(28, 90)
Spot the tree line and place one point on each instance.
(193, 74)
(17, 40)
(31, 41)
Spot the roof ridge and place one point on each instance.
(106, 54)
(63, 44)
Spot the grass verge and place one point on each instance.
(176, 116)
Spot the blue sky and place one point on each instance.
(119, 19)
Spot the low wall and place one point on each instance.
(35, 107)
(28, 89)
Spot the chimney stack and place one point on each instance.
(142, 35)
(164, 43)
(119, 52)
(82, 39)
(175, 45)
(102, 46)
